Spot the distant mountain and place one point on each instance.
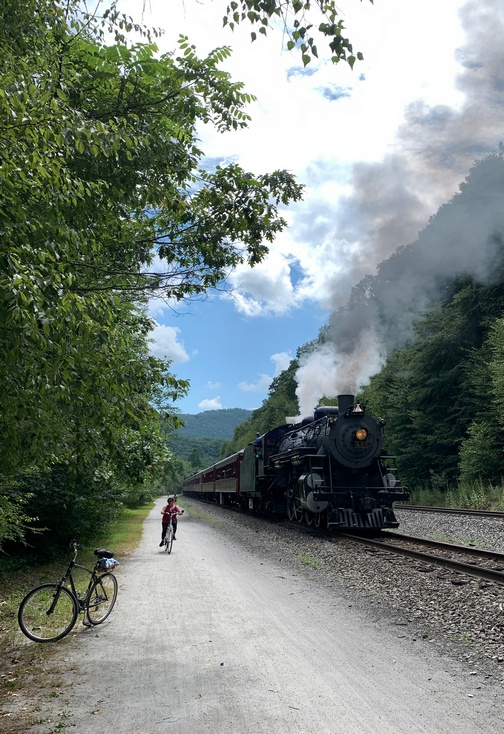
(213, 423)
(199, 442)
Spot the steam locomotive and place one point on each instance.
(330, 470)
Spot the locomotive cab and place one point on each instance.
(262, 490)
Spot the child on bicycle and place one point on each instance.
(169, 512)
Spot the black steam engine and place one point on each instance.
(329, 470)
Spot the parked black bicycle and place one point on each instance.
(48, 612)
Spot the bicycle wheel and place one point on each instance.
(47, 613)
(102, 598)
(169, 539)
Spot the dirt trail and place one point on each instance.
(214, 638)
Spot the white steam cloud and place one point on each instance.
(392, 201)
(329, 373)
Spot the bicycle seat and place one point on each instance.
(102, 553)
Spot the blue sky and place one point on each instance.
(378, 149)
(231, 358)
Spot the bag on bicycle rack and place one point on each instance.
(106, 564)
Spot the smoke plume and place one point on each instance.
(393, 200)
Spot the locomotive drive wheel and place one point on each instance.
(295, 512)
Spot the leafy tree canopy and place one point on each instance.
(303, 21)
(106, 199)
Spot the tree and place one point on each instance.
(438, 396)
(194, 459)
(107, 199)
(299, 19)
(481, 453)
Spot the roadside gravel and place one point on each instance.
(465, 620)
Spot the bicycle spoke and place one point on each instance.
(102, 598)
(47, 613)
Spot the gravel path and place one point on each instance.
(259, 628)
(464, 621)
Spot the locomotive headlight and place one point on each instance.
(361, 434)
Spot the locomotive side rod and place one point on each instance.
(457, 566)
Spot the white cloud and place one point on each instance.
(264, 289)
(281, 361)
(260, 385)
(295, 271)
(317, 123)
(214, 385)
(211, 404)
(164, 344)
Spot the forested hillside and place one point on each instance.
(198, 443)
(212, 423)
(437, 307)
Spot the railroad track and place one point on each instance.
(450, 511)
(402, 545)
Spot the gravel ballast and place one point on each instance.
(461, 615)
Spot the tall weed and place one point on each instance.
(467, 495)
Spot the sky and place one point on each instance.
(378, 148)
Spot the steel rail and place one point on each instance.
(449, 511)
(469, 549)
(457, 566)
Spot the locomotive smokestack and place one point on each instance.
(344, 402)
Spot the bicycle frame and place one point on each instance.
(168, 540)
(67, 580)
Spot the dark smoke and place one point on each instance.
(435, 149)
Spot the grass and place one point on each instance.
(464, 495)
(204, 517)
(307, 560)
(465, 638)
(443, 538)
(22, 662)
(125, 536)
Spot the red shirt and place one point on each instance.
(170, 513)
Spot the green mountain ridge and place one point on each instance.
(213, 423)
(198, 443)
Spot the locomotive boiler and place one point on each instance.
(330, 470)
